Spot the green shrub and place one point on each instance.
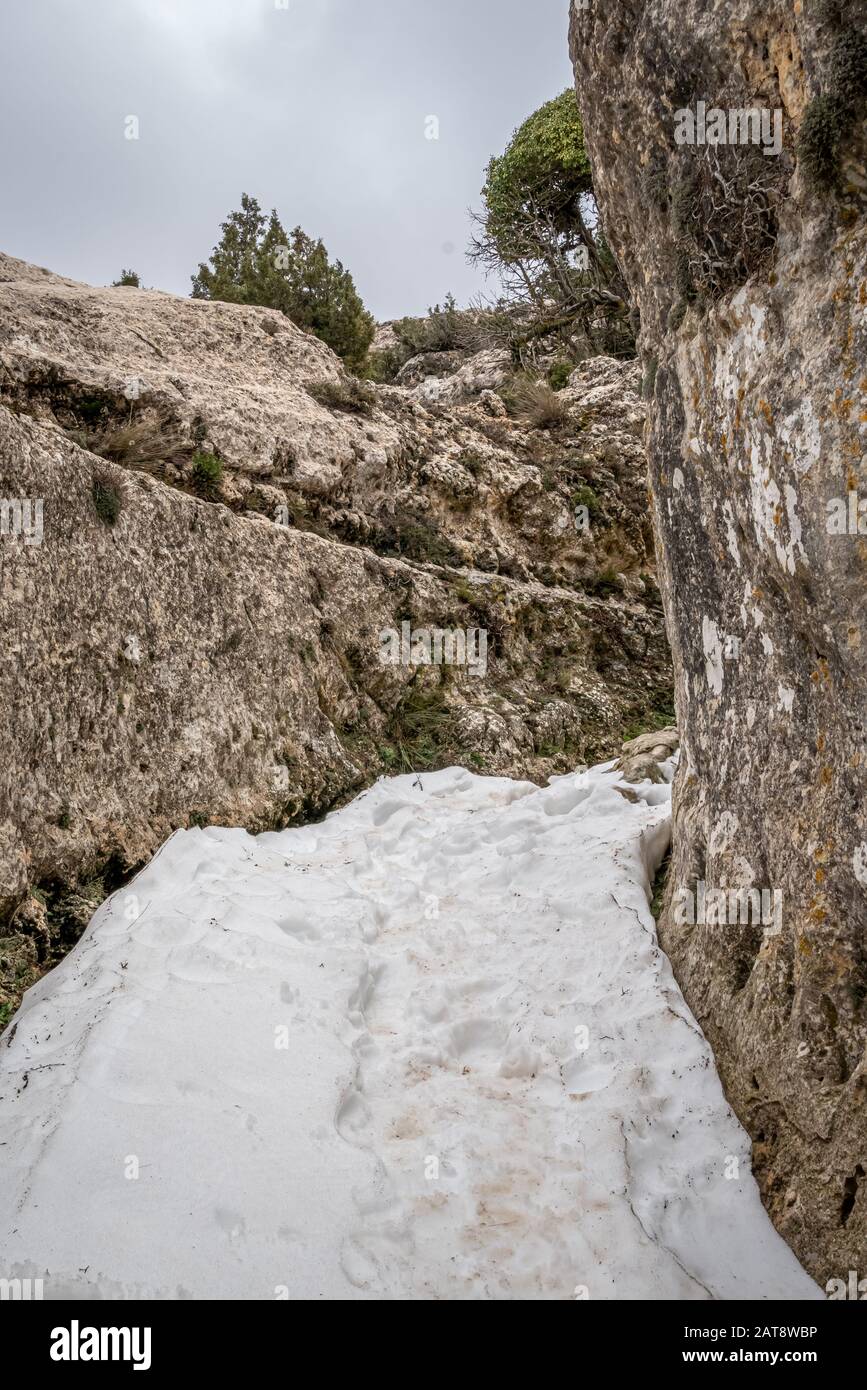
(648, 722)
(848, 70)
(819, 140)
(659, 886)
(91, 408)
(348, 394)
(422, 727)
(559, 374)
(441, 331)
(207, 474)
(539, 231)
(256, 262)
(128, 277)
(464, 591)
(546, 167)
(832, 113)
(383, 367)
(584, 496)
(107, 498)
(419, 541)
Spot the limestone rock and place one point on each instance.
(641, 757)
(484, 371)
(183, 649)
(149, 378)
(754, 341)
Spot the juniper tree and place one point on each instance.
(539, 232)
(256, 262)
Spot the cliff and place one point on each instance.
(747, 259)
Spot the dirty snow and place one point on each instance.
(429, 1048)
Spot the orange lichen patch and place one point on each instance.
(820, 875)
(818, 914)
(826, 776)
(766, 411)
(823, 672)
(804, 947)
(758, 593)
(820, 743)
(778, 514)
(862, 292)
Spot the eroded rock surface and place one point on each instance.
(211, 653)
(641, 757)
(750, 272)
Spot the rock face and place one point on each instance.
(145, 378)
(641, 757)
(189, 642)
(754, 336)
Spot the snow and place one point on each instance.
(428, 1048)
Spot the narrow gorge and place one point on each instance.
(433, 834)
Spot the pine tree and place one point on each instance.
(256, 263)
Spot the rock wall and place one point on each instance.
(748, 263)
(438, 473)
(180, 649)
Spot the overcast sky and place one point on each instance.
(316, 107)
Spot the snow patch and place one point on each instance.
(427, 1049)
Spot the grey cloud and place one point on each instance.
(318, 109)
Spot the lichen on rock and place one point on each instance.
(756, 433)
